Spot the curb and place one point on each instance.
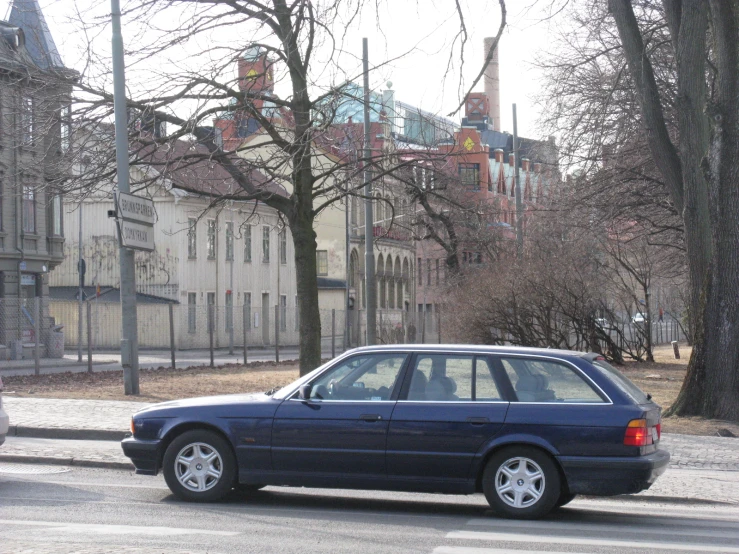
(670, 499)
(66, 433)
(51, 460)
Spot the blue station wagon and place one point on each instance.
(530, 428)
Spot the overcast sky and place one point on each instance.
(424, 31)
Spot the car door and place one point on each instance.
(450, 405)
(341, 430)
(556, 401)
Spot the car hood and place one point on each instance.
(227, 405)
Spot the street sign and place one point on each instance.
(136, 209)
(136, 235)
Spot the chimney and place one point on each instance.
(512, 159)
(525, 164)
(492, 84)
(537, 167)
(499, 155)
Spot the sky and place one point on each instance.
(418, 36)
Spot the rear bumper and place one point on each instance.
(611, 476)
(143, 454)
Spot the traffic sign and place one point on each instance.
(136, 209)
(136, 235)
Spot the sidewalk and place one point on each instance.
(148, 359)
(110, 420)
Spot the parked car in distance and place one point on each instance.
(4, 419)
(603, 323)
(529, 428)
(638, 318)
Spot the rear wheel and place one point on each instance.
(199, 466)
(521, 482)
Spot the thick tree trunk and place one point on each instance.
(304, 239)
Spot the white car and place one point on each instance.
(639, 318)
(4, 419)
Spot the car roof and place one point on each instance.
(473, 348)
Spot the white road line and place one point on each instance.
(99, 529)
(682, 528)
(573, 541)
(477, 550)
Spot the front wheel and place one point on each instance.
(521, 483)
(199, 466)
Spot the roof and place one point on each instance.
(190, 166)
(327, 283)
(27, 15)
(474, 348)
(107, 295)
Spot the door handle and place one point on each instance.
(478, 420)
(370, 417)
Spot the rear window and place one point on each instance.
(621, 381)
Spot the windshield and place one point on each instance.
(621, 381)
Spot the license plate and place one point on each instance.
(655, 437)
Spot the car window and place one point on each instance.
(448, 378)
(623, 383)
(485, 386)
(365, 377)
(546, 381)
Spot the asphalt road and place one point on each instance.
(93, 511)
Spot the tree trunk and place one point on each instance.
(304, 239)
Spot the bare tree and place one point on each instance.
(676, 61)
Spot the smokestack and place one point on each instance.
(492, 84)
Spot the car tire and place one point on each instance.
(199, 466)
(564, 499)
(521, 483)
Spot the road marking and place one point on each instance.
(101, 529)
(584, 526)
(476, 550)
(573, 541)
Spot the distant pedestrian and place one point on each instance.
(661, 315)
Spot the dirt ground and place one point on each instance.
(661, 378)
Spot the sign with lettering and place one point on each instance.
(135, 235)
(136, 208)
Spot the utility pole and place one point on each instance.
(519, 199)
(81, 269)
(347, 247)
(369, 253)
(129, 338)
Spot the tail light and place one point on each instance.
(639, 434)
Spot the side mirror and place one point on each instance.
(304, 392)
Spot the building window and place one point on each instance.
(283, 313)
(437, 272)
(192, 313)
(229, 240)
(64, 125)
(211, 239)
(265, 245)
(469, 175)
(247, 243)
(229, 311)
(192, 238)
(322, 262)
(428, 272)
(420, 274)
(27, 130)
(29, 209)
(391, 293)
(56, 215)
(247, 311)
(283, 246)
(211, 304)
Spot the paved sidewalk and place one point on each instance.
(110, 420)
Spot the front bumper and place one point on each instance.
(143, 454)
(601, 476)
